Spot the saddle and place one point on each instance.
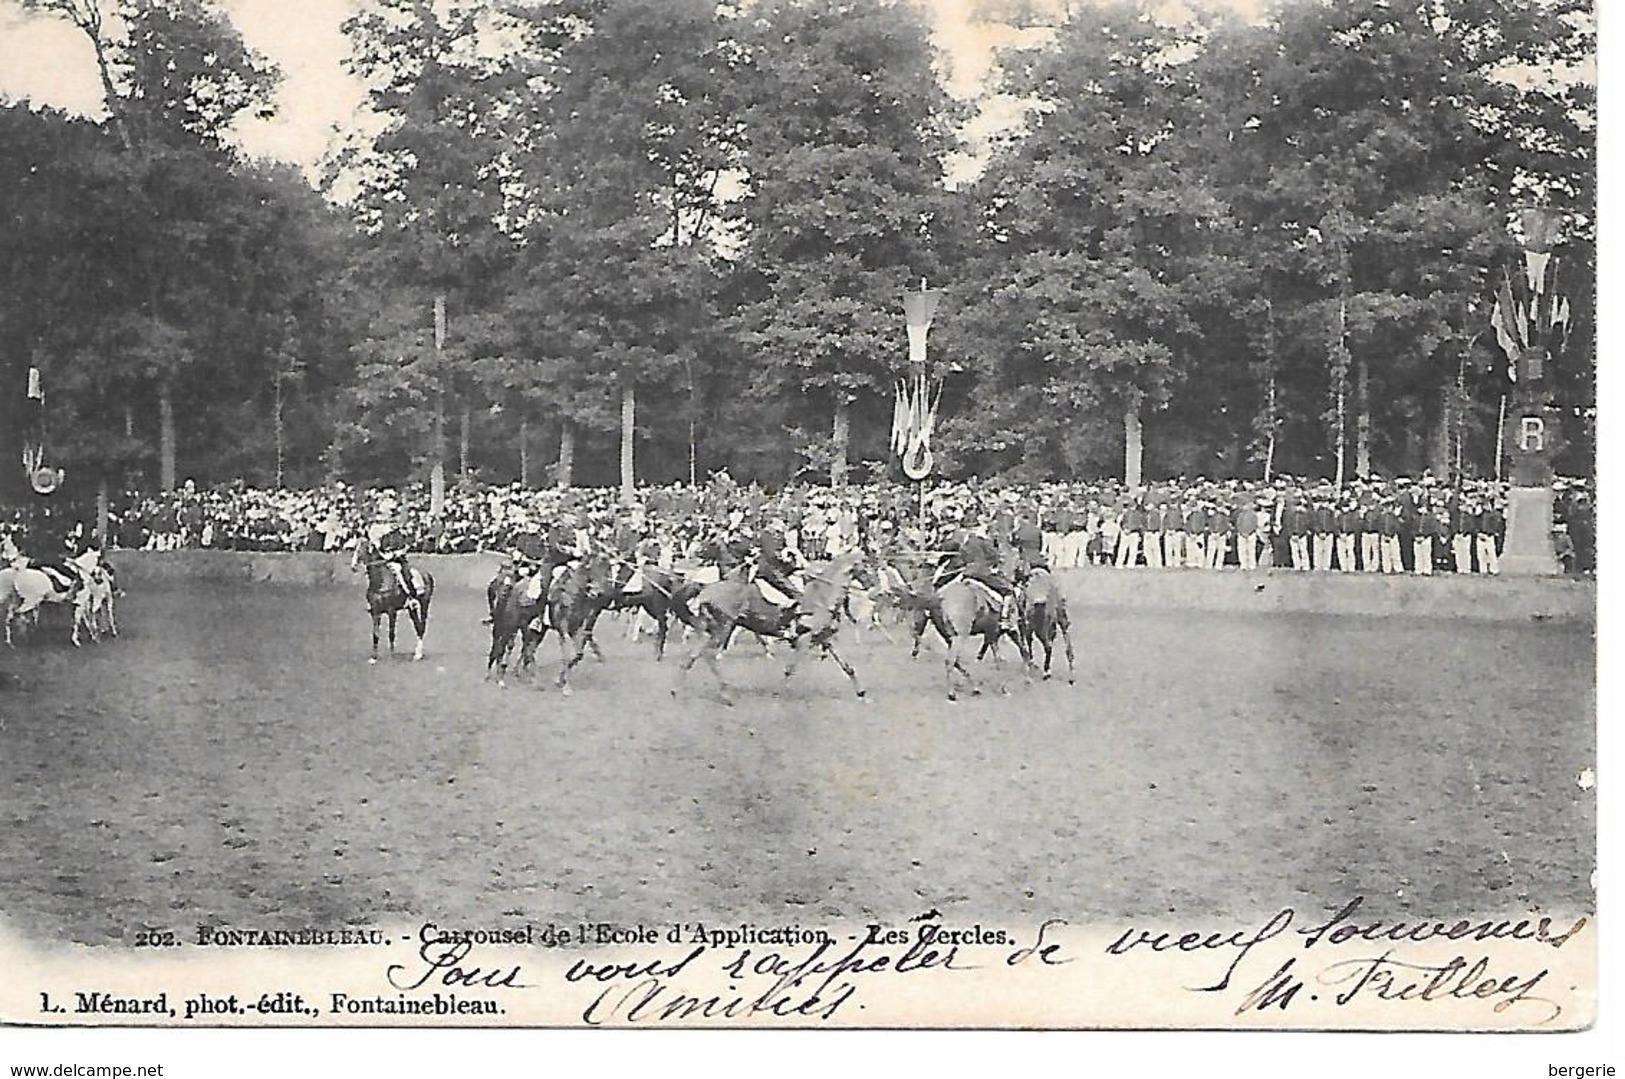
(987, 590)
(60, 580)
(777, 598)
(536, 590)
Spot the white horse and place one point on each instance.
(25, 589)
(93, 607)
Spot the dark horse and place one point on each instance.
(575, 601)
(385, 596)
(517, 610)
(568, 602)
(810, 623)
(1043, 616)
(662, 594)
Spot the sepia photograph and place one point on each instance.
(838, 514)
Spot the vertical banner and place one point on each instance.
(914, 415)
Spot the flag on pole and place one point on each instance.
(1530, 318)
(899, 419)
(914, 411)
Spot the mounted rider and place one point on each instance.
(531, 553)
(65, 553)
(778, 562)
(386, 542)
(977, 558)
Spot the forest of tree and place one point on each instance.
(641, 240)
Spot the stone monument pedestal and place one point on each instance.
(1528, 551)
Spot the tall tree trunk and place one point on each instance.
(629, 434)
(103, 540)
(842, 440)
(1274, 422)
(1271, 418)
(166, 438)
(1362, 417)
(1439, 444)
(437, 449)
(567, 454)
(462, 443)
(1133, 444)
(1340, 382)
(693, 412)
(524, 452)
(276, 426)
(1342, 437)
(1458, 419)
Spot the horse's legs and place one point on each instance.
(712, 651)
(847, 668)
(662, 625)
(1066, 637)
(393, 615)
(798, 648)
(501, 645)
(376, 616)
(420, 625)
(713, 639)
(577, 649)
(957, 658)
(921, 617)
(529, 641)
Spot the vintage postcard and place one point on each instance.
(1018, 514)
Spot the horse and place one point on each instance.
(962, 608)
(1044, 614)
(515, 611)
(735, 602)
(659, 593)
(906, 599)
(386, 596)
(93, 606)
(27, 588)
(500, 585)
(578, 596)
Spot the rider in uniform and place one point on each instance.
(53, 545)
(528, 553)
(389, 544)
(977, 558)
(777, 560)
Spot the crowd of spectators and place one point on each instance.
(1393, 526)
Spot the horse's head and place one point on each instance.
(601, 576)
(855, 568)
(589, 578)
(1008, 562)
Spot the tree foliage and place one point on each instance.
(1255, 244)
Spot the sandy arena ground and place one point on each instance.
(233, 759)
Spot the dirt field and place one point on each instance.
(232, 758)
